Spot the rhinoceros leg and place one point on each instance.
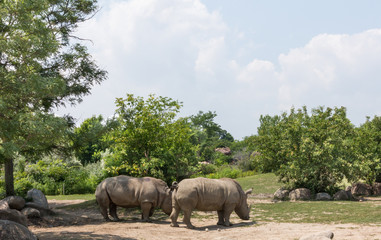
(174, 215)
(103, 210)
(113, 213)
(147, 208)
(228, 209)
(187, 216)
(221, 220)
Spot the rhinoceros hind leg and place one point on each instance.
(104, 213)
(187, 215)
(174, 215)
(113, 212)
(146, 207)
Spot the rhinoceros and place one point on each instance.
(124, 191)
(221, 195)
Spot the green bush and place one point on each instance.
(55, 176)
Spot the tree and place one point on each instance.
(149, 140)
(368, 150)
(314, 151)
(208, 135)
(40, 68)
(88, 139)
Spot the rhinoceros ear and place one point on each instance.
(248, 191)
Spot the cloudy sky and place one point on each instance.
(241, 59)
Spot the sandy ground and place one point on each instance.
(88, 224)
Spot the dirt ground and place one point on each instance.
(87, 223)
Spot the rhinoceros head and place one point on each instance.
(243, 210)
(167, 202)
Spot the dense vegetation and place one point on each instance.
(146, 138)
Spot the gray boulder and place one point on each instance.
(37, 197)
(344, 195)
(15, 202)
(300, 194)
(13, 215)
(377, 188)
(43, 211)
(31, 212)
(281, 194)
(318, 236)
(323, 197)
(361, 189)
(4, 205)
(10, 230)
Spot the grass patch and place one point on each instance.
(261, 183)
(319, 212)
(71, 197)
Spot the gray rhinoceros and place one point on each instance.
(124, 191)
(221, 195)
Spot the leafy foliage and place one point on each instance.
(53, 176)
(89, 139)
(314, 151)
(208, 136)
(368, 149)
(149, 141)
(40, 68)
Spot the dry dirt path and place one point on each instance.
(88, 224)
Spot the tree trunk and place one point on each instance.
(9, 186)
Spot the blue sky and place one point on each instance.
(241, 59)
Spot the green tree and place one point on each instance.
(313, 151)
(149, 141)
(368, 148)
(208, 136)
(88, 139)
(40, 68)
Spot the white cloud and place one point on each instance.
(182, 50)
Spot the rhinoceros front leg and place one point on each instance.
(147, 208)
(221, 220)
(228, 209)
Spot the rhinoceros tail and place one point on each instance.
(174, 186)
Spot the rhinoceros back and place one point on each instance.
(128, 191)
(207, 194)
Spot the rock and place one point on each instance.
(344, 195)
(224, 150)
(43, 211)
(4, 205)
(281, 194)
(323, 197)
(13, 215)
(15, 202)
(377, 188)
(318, 236)
(10, 230)
(341, 195)
(38, 197)
(31, 212)
(300, 194)
(361, 189)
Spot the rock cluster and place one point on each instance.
(15, 212)
(351, 193)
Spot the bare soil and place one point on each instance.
(87, 223)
